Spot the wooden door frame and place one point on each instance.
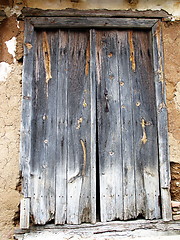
(93, 19)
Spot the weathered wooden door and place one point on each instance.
(93, 121)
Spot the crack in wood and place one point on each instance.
(84, 157)
(131, 48)
(144, 137)
(47, 58)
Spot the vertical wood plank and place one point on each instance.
(79, 129)
(162, 122)
(126, 65)
(44, 128)
(26, 124)
(62, 129)
(145, 128)
(93, 123)
(109, 129)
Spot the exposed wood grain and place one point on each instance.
(109, 129)
(127, 139)
(44, 132)
(62, 130)
(79, 129)
(162, 122)
(88, 22)
(93, 13)
(145, 128)
(25, 213)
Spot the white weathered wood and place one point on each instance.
(24, 213)
(79, 129)
(145, 127)
(162, 122)
(62, 130)
(128, 158)
(109, 127)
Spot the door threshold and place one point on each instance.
(108, 230)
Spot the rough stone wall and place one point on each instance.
(11, 45)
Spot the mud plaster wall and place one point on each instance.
(11, 34)
(10, 99)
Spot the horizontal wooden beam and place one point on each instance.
(90, 22)
(34, 12)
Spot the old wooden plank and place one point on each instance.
(79, 129)
(126, 64)
(24, 213)
(162, 122)
(25, 143)
(44, 128)
(87, 22)
(109, 129)
(34, 12)
(93, 123)
(62, 129)
(145, 127)
(51, 125)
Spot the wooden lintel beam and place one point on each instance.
(34, 12)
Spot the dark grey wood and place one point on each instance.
(144, 127)
(34, 12)
(162, 122)
(62, 129)
(26, 128)
(79, 129)
(89, 22)
(109, 126)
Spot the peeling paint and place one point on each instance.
(131, 49)
(11, 45)
(5, 69)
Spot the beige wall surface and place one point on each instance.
(11, 52)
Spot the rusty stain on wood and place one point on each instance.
(131, 48)
(79, 123)
(87, 59)
(84, 157)
(110, 55)
(28, 45)
(144, 137)
(47, 57)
